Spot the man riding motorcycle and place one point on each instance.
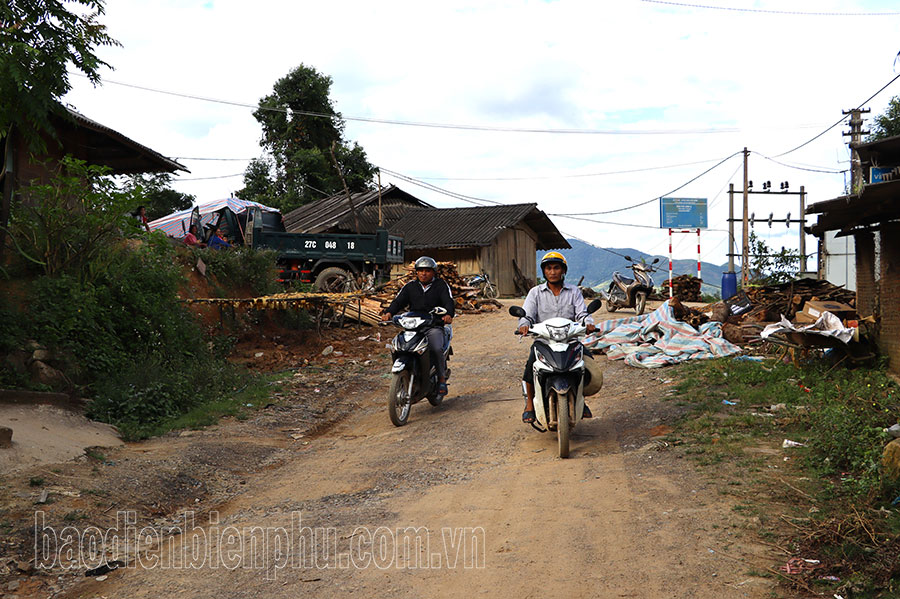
(550, 300)
(423, 295)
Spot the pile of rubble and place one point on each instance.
(468, 299)
(745, 314)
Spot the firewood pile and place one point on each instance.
(771, 301)
(686, 288)
(692, 316)
(468, 299)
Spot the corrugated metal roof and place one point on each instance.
(474, 227)
(333, 211)
(125, 156)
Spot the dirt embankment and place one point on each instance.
(499, 514)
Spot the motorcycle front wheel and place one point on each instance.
(610, 307)
(398, 398)
(562, 424)
(640, 302)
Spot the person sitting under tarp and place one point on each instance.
(190, 238)
(218, 242)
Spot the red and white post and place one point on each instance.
(698, 255)
(670, 264)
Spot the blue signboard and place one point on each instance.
(682, 213)
(880, 174)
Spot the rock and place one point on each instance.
(328, 350)
(13, 586)
(45, 374)
(25, 567)
(32, 345)
(42, 355)
(45, 495)
(5, 436)
(890, 459)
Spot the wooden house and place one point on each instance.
(872, 218)
(500, 240)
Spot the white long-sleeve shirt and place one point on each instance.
(540, 305)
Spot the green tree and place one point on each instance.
(298, 167)
(887, 124)
(768, 267)
(40, 40)
(158, 197)
(69, 225)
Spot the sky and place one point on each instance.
(657, 93)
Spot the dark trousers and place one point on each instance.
(435, 337)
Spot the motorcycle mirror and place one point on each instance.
(517, 311)
(655, 260)
(594, 306)
(629, 258)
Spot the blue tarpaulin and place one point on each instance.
(656, 339)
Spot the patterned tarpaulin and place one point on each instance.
(656, 339)
(176, 224)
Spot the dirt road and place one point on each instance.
(499, 513)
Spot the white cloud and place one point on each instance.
(579, 64)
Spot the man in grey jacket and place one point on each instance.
(553, 299)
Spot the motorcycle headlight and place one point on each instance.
(558, 333)
(410, 322)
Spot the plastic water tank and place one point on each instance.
(729, 285)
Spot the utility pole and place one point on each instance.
(731, 227)
(745, 252)
(855, 134)
(380, 218)
(802, 229)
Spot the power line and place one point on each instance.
(775, 12)
(802, 168)
(215, 159)
(433, 125)
(208, 178)
(724, 160)
(841, 120)
(601, 174)
(435, 188)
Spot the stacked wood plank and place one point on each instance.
(468, 299)
(686, 288)
(788, 298)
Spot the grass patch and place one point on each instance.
(239, 401)
(831, 500)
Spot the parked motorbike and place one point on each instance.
(630, 293)
(413, 376)
(483, 283)
(559, 374)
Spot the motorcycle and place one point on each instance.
(413, 376)
(559, 374)
(630, 293)
(483, 284)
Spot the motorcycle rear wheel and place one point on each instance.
(562, 426)
(640, 302)
(398, 399)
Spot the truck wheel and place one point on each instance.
(334, 280)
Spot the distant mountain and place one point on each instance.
(597, 266)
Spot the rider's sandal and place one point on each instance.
(442, 388)
(528, 416)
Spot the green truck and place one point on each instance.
(331, 262)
